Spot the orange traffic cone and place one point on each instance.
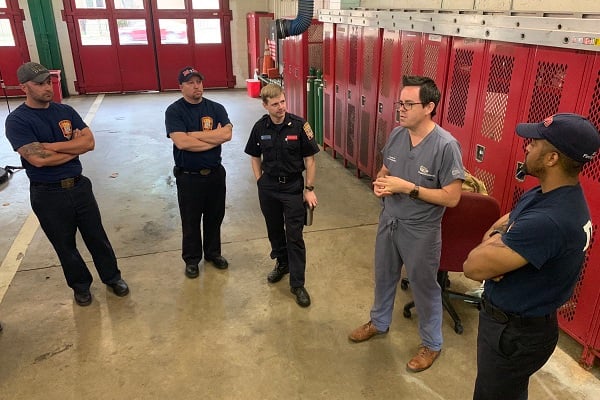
(268, 62)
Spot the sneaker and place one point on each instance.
(423, 360)
(365, 332)
(281, 268)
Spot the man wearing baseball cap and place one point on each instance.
(198, 127)
(531, 258)
(49, 137)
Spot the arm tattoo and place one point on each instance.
(35, 149)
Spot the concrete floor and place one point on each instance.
(228, 334)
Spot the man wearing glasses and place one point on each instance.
(422, 174)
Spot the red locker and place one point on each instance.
(553, 85)
(435, 51)
(341, 87)
(460, 99)
(301, 52)
(501, 89)
(580, 316)
(389, 83)
(328, 84)
(257, 24)
(353, 94)
(369, 62)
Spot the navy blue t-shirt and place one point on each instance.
(45, 125)
(552, 231)
(182, 116)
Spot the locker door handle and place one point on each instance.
(337, 88)
(349, 94)
(479, 152)
(380, 107)
(363, 100)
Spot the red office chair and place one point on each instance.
(463, 228)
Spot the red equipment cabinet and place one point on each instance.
(341, 87)
(389, 82)
(552, 86)
(460, 98)
(580, 316)
(369, 64)
(503, 79)
(300, 53)
(328, 84)
(257, 24)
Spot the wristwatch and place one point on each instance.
(414, 194)
(309, 188)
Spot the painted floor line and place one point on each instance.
(17, 250)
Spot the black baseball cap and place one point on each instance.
(32, 71)
(186, 73)
(572, 134)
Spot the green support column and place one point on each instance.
(46, 37)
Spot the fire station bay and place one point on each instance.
(267, 199)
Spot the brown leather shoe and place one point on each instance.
(423, 360)
(365, 332)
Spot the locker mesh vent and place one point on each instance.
(353, 58)
(487, 178)
(368, 61)
(408, 55)
(365, 122)
(459, 92)
(569, 309)
(326, 118)
(591, 170)
(430, 63)
(380, 139)
(387, 58)
(517, 193)
(315, 56)
(337, 127)
(315, 33)
(547, 91)
(327, 56)
(351, 129)
(340, 54)
(496, 97)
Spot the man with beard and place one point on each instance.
(49, 137)
(531, 258)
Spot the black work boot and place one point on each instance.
(281, 268)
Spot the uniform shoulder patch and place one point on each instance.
(308, 130)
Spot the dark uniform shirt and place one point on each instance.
(45, 125)
(552, 231)
(182, 116)
(282, 146)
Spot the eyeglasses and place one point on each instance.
(406, 105)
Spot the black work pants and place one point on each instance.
(282, 205)
(61, 213)
(201, 201)
(509, 353)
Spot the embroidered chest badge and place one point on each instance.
(207, 123)
(66, 128)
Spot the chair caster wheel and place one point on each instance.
(458, 328)
(404, 284)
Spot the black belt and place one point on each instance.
(203, 171)
(506, 317)
(285, 178)
(66, 183)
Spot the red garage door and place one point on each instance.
(13, 48)
(134, 45)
